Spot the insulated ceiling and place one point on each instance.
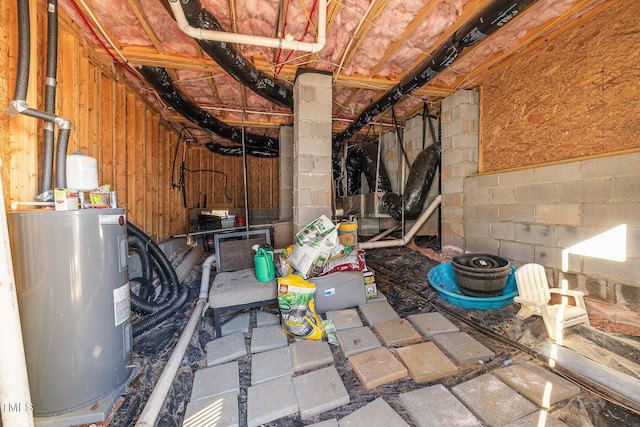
(372, 48)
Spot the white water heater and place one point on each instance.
(73, 295)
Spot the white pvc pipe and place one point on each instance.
(15, 396)
(280, 43)
(149, 414)
(407, 237)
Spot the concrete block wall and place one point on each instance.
(412, 139)
(312, 148)
(460, 116)
(286, 173)
(539, 214)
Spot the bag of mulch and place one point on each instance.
(299, 318)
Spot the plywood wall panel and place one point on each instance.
(571, 97)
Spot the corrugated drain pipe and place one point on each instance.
(152, 409)
(19, 103)
(407, 237)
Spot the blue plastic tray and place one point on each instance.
(443, 280)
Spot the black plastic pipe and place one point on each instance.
(232, 61)
(485, 23)
(162, 82)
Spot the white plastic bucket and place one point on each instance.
(82, 172)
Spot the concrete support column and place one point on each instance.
(312, 98)
(460, 115)
(286, 173)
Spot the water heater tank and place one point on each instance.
(73, 295)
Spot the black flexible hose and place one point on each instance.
(139, 245)
(178, 293)
(146, 288)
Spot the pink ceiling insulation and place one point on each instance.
(225, 98)
(543, 12)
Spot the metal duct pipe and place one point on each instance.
(485, 23)
(19, 103)
(151, 410)
(279, 43)
(232, 60)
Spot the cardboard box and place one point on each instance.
(338, 291)
(282, 234)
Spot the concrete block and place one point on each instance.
(214, 381)
(535, 194)
(537, 384)
(356, 340)
(308, 354)
(626, 272)
(480, 244)
(477, 229)
(269, 365)
(378, 410)
(430, 324)
(466, 111)
(466, 136)
(466, 96)
(453, 200)
(629, 296)
(590, 191)
(452, 185)
(453, 214)
(535, 234)
(492, 401)
(345, 319)
(435, 406)
(320, 391)
(213, 411)
(477, 197)
(610, 214)
(453, 156)
(378, 312)
(397, 332)
(426, 362)
(464, 169)
(503, 231)
(516, 178)
(450, 240)
(626, 188)
(503, 195)
(226, 349)
(377, 367)
(267, 338)
(486, 213)
(517, 213)
(557, 173)
(559, 214)
(625, 164)
(552, 257)
(270, 401)
(462, 348)
(516, 251)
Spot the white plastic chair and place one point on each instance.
(535, 296)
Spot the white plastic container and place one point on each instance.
(82, 172)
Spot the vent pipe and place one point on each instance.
(280, 43)
(19, 104)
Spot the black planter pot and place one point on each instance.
(481, 275)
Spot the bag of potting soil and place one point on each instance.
(299, 318)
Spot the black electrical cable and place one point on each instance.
(214, 171)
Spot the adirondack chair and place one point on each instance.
(535, 296)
